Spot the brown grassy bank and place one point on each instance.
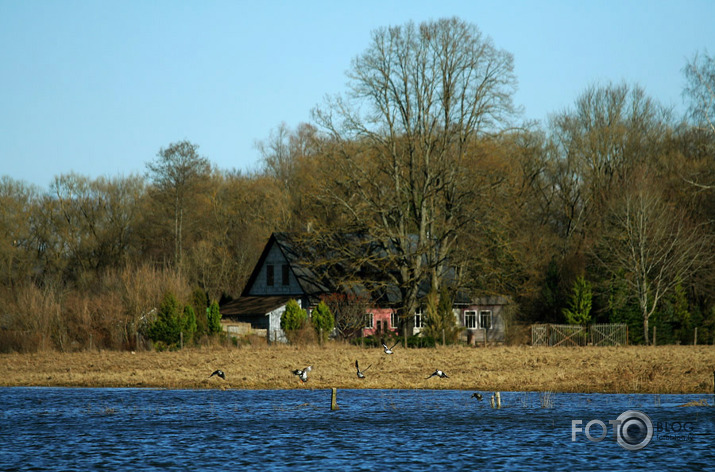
(633, 369)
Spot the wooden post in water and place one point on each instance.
(334, 399)
(497, 396)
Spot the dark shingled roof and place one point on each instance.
(253, 305)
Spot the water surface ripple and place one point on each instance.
(72, 429)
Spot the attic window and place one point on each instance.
(269, 275)
(286, 274)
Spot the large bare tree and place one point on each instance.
(700, 93)
(654, 244)
(597, 146)
(177, 173)
(700, 90)
(399, 141)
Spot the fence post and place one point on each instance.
(695, 337)
(334, 399)
(443, 343)
(181, 339)
(654, 343)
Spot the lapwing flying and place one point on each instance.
(438, 373)
(389, 350)
(303, 374)
(361, 373)
(218, 372)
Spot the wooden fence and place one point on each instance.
(576, 335)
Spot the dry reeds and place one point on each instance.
(634, 369)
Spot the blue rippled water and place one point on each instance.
(72, 429)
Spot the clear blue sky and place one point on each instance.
(97, 87)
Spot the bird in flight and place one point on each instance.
(218, 372)
(388, 350)
(361, 373)
(303, 374)
(477, 395)
(438, 373)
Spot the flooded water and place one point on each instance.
(390, 430)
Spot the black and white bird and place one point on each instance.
(218, 372)
(388, 350)
(361, 373)
(303, 374)
(438, 373)
(477, 395)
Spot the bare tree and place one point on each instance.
(700, 90)
(176, 174)
(612, 131)
(349, 311)
(399, 141)
(655, 245)
(17, 200)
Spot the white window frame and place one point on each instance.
(419, 319)
(394, 320)
(369, 320)
(470, 319)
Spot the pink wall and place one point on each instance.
(380, 317)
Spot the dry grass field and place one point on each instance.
(633, 369)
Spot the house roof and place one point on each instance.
(349, 263)
(253, 305)
(294, 253)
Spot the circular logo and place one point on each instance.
(634, 430)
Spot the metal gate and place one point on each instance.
(609, 334)
(576, 335)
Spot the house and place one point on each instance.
(287, 269)
(484, 319)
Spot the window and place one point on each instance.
(394, 320)
(470, 319)
(419, 319)
(485, 319)
(369, 320)
(286, 274)
(269, 275)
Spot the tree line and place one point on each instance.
(603, 213)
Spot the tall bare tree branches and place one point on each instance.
(419, 96)
(655, 244)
